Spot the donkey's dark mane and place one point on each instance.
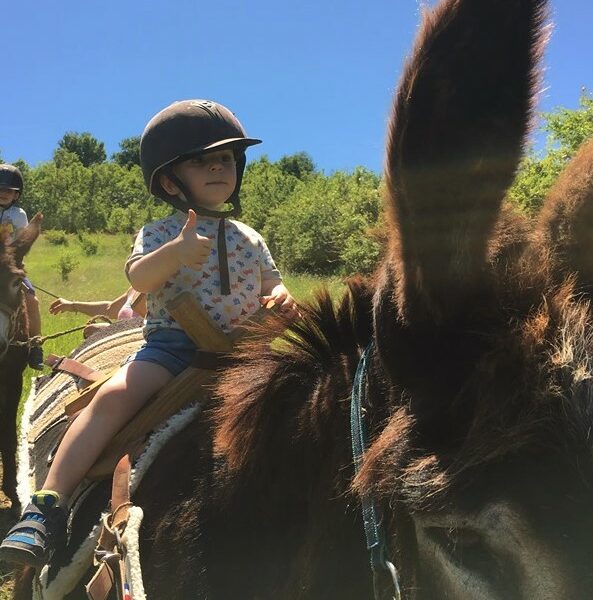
(294, 385)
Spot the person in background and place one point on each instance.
(12, 219)
(130, 304)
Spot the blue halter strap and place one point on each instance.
(375, 537)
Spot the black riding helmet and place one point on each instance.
(184, 129)
(11, 178)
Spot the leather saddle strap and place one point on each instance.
(120, 488)
(73, 367)
(120, 503)
(100, 586)
(112, 570)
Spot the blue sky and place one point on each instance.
(306, 75)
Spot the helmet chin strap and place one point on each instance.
(177, 202)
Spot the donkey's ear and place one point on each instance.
(455, 138)
(25, 238)
(565, 227)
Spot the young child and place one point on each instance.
(193, 157)
(130, 304)
(12, 219)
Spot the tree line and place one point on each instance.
(313, 222)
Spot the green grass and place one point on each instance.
(95, 277)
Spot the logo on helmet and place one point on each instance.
(201, 104)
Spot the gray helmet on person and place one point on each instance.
(11, 178)
(187, 128)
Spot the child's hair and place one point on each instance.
(184, 129)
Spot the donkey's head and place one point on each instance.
(483, 325)
(11, 277)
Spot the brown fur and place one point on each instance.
(14, 361)
(480, 379)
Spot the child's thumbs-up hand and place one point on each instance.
(192, 249)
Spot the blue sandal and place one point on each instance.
(34, 538)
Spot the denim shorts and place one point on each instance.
(170, 348)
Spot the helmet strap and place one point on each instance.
(223, 264)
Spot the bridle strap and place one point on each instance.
(373, 529)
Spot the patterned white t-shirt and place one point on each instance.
(12, 220)
(249, 260)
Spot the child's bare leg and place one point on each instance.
(34, 314)
(114, 405)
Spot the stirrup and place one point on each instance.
(35, 360)
(34, 538)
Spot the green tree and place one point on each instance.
(129, 152)
(265, 187)
(567, 130)
(57, 189)
(89, 149)
(299, 165)
(359, 222)
(324, 226)
(22, 166)
(570, 128)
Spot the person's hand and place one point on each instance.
(192, 249)
(60, 305)
(282, 298)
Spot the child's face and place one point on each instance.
(7, 196)
(211, 177)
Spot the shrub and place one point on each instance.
(89, 245)
(66, 265)
(56, 237)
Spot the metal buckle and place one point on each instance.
(104, 556)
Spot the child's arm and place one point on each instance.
(150, 272)
(274, 289)
(92, 309)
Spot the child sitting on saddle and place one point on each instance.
(12, 219)
(193, 157)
